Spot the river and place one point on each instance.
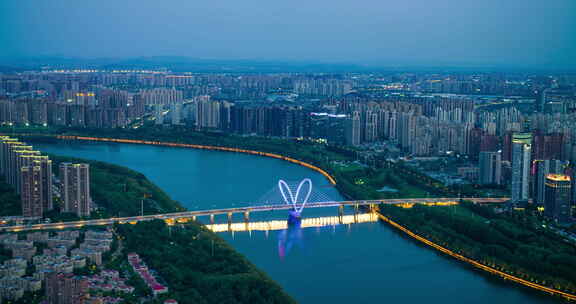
(359, 263)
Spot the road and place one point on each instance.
(246, 210)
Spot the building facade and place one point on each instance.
(75, 188)
(352, 129)
(521, 160)
(31, 194)
(558, 200)
(30, 173)
(490, 168)
(65, 288)
(541, 169)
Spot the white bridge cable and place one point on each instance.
(296, 193)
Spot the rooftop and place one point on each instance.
(558, 177)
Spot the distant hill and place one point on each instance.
(177, 64)
(205, 65)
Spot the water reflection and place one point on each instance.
(290, 232)
(290, 237)
(272, 225)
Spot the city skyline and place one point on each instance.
(164, 151)
(497, 147)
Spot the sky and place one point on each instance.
(382, 32)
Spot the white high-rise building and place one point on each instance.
(521, 160)
(406, 130)
(208, 114)
(393, 127)
(371, 128)
(161, 96)
(352, 129)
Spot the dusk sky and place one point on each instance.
(407, 32)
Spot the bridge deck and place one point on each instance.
(188, 214)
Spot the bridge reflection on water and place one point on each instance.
(272, 225)
(289, 232)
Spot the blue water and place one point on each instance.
(358, 263)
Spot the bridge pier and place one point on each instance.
(340, 214)
(194, 218)
(211, 219)
(229, 218)
(247, 221)
(356, 207)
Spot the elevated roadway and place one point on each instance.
(245, 210)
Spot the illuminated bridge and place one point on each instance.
(183, 216)
(313, 222)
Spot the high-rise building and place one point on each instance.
(393, 127)
(352, 129)
(490, 168)
(335, 129)
(225, 115)
(45, 165)
(317, 125)
(521, 160)
(19, 157)
(371, 127)
(211, 114)
(162, 96)
(65, 288)
(558, 204)
(6, 144)
(31, 194)
(29, 173)
(75, 187)
(541, 169)
(158, 114)
(14, 154)
(548, 146)
(7, 112)
(175, 113)
(406, 130)
(33, 158)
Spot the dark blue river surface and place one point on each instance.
(357, 263)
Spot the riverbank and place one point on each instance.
(198, 266)
(360, 183)
(206, 270)
(117, 192)
(491, 242)
(120, 192)
(304, 153)
(202, 147)
(335, 163)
